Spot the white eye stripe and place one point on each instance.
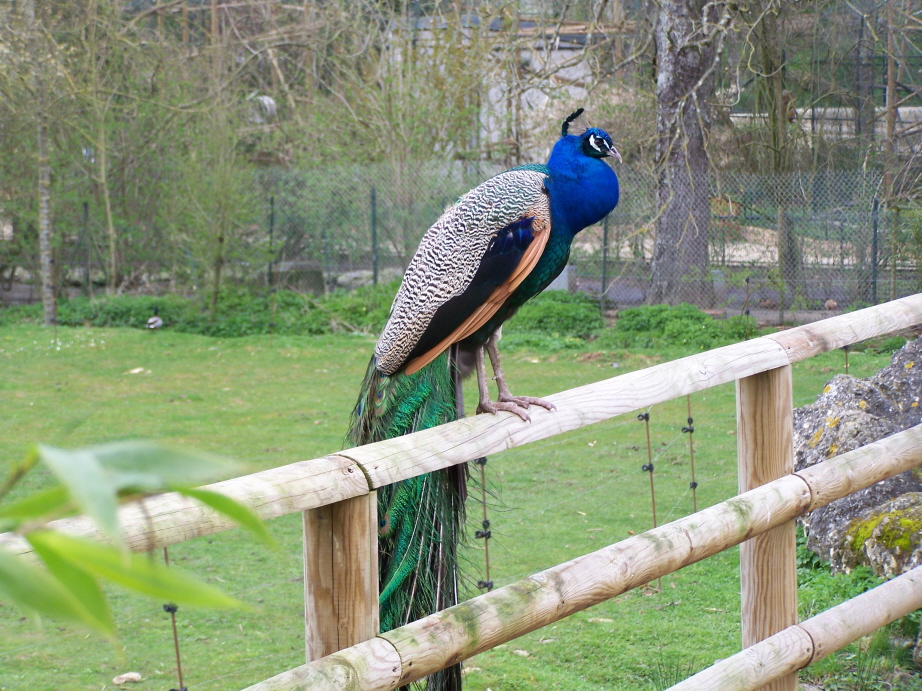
(593, 144)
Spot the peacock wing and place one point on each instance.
(467, 264)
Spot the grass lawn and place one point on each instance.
(268, 401)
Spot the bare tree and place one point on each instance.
(29, 66)
(688, 37)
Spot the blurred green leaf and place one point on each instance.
(81, 472)
(17, 472)
(36, 505)
(82, 585)
(35, 591)
(234, 510)
(137, 572)
(146, 466)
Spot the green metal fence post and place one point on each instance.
(874, 215)
(374, 237)
(271, 247)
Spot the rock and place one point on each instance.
(126, 678)
(888, 538)
(849, 414)
(358, 279)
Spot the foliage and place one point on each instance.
(819, 589)
(92, 481)
(564, 318)
(890, 345)
(655, 318)
(559, 313)
(239, 312)
(675, 325)
(553, 321)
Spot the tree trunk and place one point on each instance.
(790, 262)
(103, 179)
(681, 271)
(45, 252)
(217, 268)
(46, 257)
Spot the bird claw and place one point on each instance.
(527, 401)
(494, 408)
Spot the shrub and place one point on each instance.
(560, 313)
(240, 313)
(684, 331)
(651, 326)
(655, 317)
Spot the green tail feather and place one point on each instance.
(420, 520)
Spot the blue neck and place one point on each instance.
(583, 190)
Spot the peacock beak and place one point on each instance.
(613, 152)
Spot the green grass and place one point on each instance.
(269, 401)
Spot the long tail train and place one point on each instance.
(419, 520)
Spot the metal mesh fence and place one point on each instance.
(347, 226)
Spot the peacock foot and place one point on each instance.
(493, 407)
(526, 401)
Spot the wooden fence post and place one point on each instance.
(340, 575)
(768, 562)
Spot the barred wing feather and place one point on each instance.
(467, 264)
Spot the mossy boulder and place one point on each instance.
(888, 538)
(847, 415)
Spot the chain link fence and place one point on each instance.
(346, 226)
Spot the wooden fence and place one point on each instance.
(336, 494)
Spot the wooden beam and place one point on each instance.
(768, 562)
(340, 575)
(806, 341)
(482, 623)
(170, 518)
(798, 646)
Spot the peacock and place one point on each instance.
(499, 245)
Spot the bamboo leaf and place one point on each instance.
(82, 585)
(150, 467)
(234, 510)
(36, 505)
(137, 572)
(35, 591)
(90, 489)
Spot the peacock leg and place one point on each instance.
(486, 405)
(505, 395)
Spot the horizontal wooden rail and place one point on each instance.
(802, 644)
(420, 648)
(170, 518)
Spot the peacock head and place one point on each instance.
(594, 142)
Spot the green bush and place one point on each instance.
(701, 334)
(655, 317)
(239, 313)
(557, 312)
(891, 345)
(656, 326)
(553, 321)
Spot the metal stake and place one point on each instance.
(746, 308)
(649, 468)
(691, 454)
(485, 533)
(171, 608)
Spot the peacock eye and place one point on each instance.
(593, 144)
